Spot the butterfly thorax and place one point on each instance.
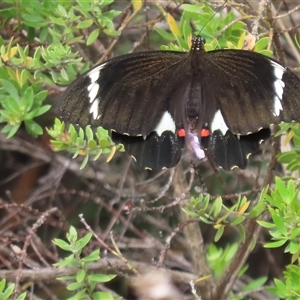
(195, 95)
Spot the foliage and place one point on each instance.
(84, 143)
(284, 209)
(22, 70)
(291, 157)
(82, 283)
(6, 292)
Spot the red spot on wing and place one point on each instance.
(204, 132)
(181, 132)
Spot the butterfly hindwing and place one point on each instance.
(230, 151)
(155, 152)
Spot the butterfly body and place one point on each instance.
(146, 98)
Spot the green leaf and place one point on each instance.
(89, 133)
(27, 99)
(10, 89)
(9, 291)
(190, 213)
(102, 296)
(276, 244)
(22, 296)
(92, 144)
(62, 244)
(85, 24)
(266, 224)
(84, 241)
(95, 255)
(80, 276)
(75, 286)
(67, 277)
(33, 128)
(101, 277)
(278, 221)
(217, 206)
(38, 112)
(219, 233)
(2, 284)
(166, 35)
(84, 162)
(22, 53)
(257, 210)
(237, 220)
(12, 129)
(261, 44)
(81, 295)
(64, 74)
(280, 186)
(295, 233)
(62, 10)
(280, 285)
(293, 247)
(255, 284)
(93, 36)
(192, 8)
(72, 234)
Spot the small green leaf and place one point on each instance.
(237, 220)
(72, 234)
(85, 24)
(219, 233)
(81, 295)
(2, 284)
(111, 32)
(255, 284)
(278, 221)
(64, 74)
(102, 296)
(22, 296)
(89, 133)
(10, 89)
(93, 36)
(101, 277)
(95, 255)
(33, 128)
(74, 286)
(217, 206)
(257, 210)
(276, 244)
(80, 276)
(261, 44)
(92, 144)
(62, 244)
(84, 162)
(84, 241)
(9, 291)
(12, 131)
(266, 224)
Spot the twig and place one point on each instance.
(38, 223)
(116, 265)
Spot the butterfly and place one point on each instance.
(218, 103)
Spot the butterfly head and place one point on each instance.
(198, 43)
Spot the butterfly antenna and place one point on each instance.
(218, 10)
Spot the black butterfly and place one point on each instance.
(223, 101)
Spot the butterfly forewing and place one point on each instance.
(252, 90)
(128, 94)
